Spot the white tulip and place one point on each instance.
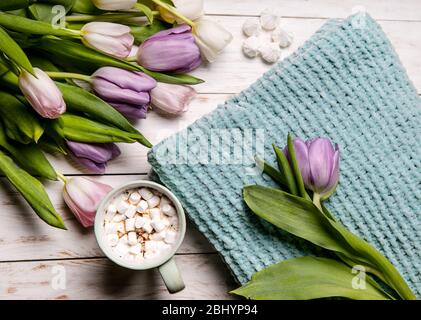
(211, 38)
(191, 9)
(113, 5)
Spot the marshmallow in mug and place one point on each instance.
(140, 224)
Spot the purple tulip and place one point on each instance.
(172, 50)
(318, 161)
(127, 91)
(93, 156)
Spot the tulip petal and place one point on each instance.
(131, 111)
(113, 93)
(98, 152)
(334, 173)
(301, 154)
(171, 99)
(106, 28)
(119, 48)
(136, 81)
(321, 162)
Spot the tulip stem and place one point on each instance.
(174, 12)
(69, 75)
(106, 17)
(61, 177)
(316, 201)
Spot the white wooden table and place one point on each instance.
(31, 253)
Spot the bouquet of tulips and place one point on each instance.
(74, 74)
(307, 175)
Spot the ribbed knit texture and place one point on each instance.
(345, 83)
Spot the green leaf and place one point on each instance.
(141, 33)
(80, 100)
(29, 157)
(13, 4)
(26, 25)
(65, 50)
(272, 172)
(307, 278)
(85, 7)
(80, 129)
(285, 170)
(32, 190)
(303, 219)
(146, 10)
(19, 122)
(44, 12)
(42, 63)
(296, 169)
(13, 51)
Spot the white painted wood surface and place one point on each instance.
(32, 253)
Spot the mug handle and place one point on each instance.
(171, 276)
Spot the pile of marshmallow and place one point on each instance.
(265, 37)
(140, 224)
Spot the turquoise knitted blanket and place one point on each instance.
(345, 83)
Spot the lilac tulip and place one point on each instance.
(93, 156)
(42, 94)
(111, 38)
(172, 50)
(127, 91)
(318, 161)
(171, 99)
(83, 196)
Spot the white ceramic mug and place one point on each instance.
(165, 263)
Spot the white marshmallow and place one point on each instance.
(132, 238)
(168, 210)
(131, 211)
(130, 224)
(270, 52)
(150, 245)
(147, 227)
(170, 236)
(111, 211)
(269, 20)
(154, 201)
(121, 227)
(134, 198)
(122, 249)
(110, 227)
(282, 37)
(145, 193)
(158, 236)
(142, 206)
(158, 225)
(251, 27)
(155, 213)
(251, 46)
(122, 206)
(119, 217)
(166, 222)
(136, 249)
(140, 221)
(150, 254)
(112, 239)
(174, 221)
(164, 201)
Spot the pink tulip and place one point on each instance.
(42, 94)
(111, 38)
(171, 99)
(83, 196)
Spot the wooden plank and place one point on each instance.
(380, 9)
(24, 236)
(232, 71)
(205, 276)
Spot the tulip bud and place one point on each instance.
(42, 93)
(171, 99)
(211, 38)
(93, 156)
(111, 38)
(318, 161)
(191, 9)
(113, 5)
(83, 196)
(127, 91)
(172, 50)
